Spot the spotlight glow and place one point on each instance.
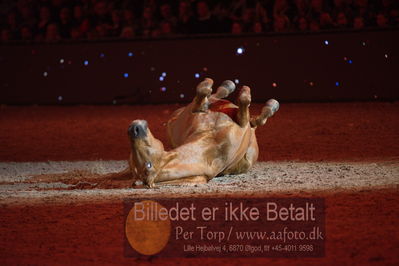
(86, 62)
(130, 54)
(161, 78)
(386, 55)
(61, 61)
(126, 75)
(163, 89)
(337, 83)
(350, 61)
(196, 75)
(181, 95)
(45, 74)
(59, 98)
(326, 42)
(274, 84)
(163, 74)
(236, 81)
(240, 51)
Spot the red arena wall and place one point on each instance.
(328, 66)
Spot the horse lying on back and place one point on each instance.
(210, 137)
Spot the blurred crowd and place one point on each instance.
(54, 20)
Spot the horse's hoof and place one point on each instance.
(273, 105)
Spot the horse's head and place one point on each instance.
(147, 152)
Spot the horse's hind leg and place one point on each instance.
(248, 160)
(204, 90)
(243, 102)
(268, 110)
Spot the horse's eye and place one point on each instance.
(148, 165)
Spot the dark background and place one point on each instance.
(360, 65)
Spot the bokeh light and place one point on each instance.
(274, 84)
(86, 62)
(196, 75)
(326, 42)
(126, 75)
(130, 54)
(240, 50)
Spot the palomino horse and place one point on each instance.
(210, 137)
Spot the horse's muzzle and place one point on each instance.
(138, 129)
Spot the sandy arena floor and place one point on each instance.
(56, 181)
(347, 153)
